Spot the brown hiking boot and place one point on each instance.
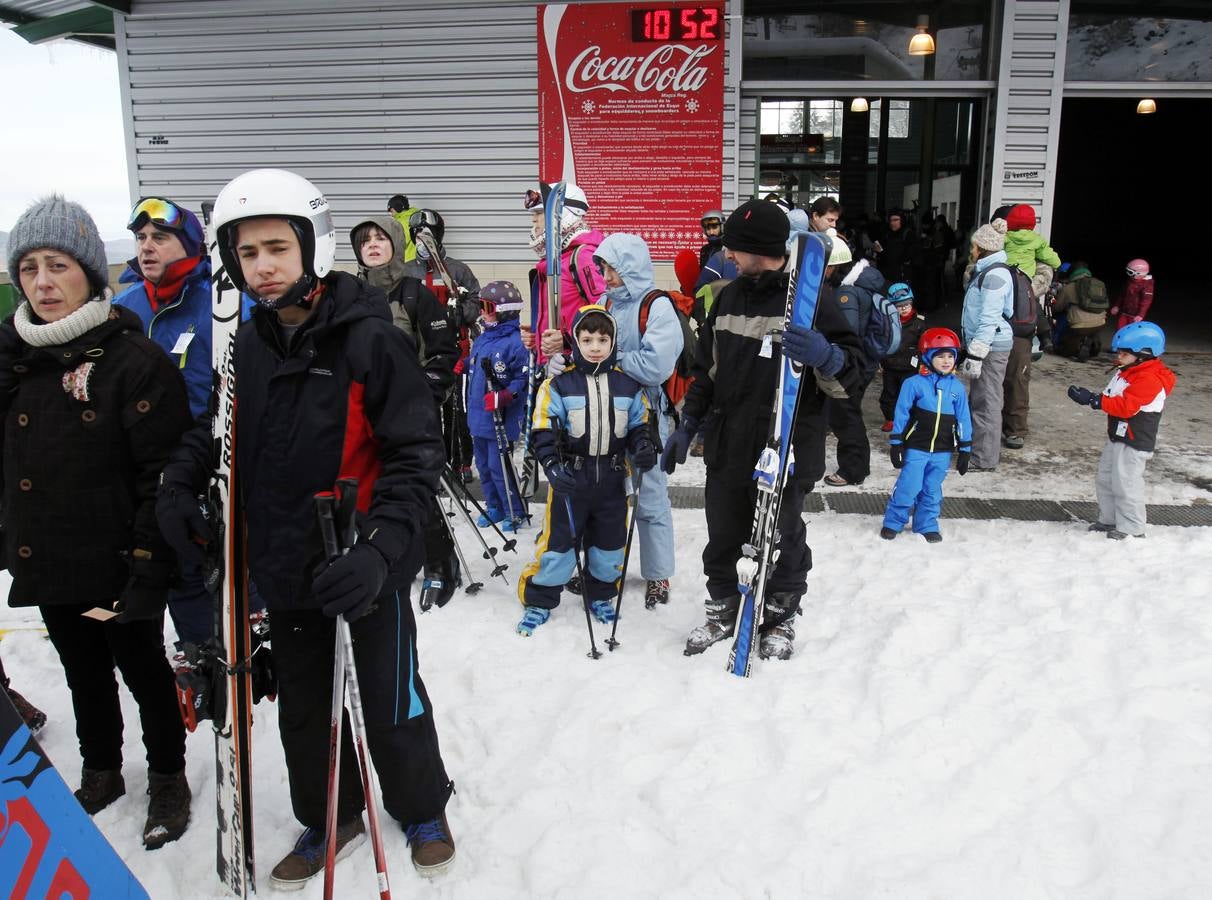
(99, 788)
(33, 717)
(307, 858)
(433, 849)
(167, 810)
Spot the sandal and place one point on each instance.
(837, 480)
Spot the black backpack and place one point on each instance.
(1022, 318)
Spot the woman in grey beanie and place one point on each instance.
(90, 410)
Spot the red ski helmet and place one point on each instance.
(935, 339)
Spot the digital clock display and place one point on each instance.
(676, 23)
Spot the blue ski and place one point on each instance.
(777, 459)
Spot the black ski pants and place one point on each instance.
(729, 506)
(891, 391)
(845, 418)
(438, 544)
(89, 650)
(399, 717)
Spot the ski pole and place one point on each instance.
(634, 491)
(508, 475)
(474, 586)
(507, 543)
(594, 653)
(490, 553)
(328, 532)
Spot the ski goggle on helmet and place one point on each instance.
(158, 211)
(1138, 268)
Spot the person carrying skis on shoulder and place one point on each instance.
(1133, 402)
(587, 421)
(499, 351)
(326, 387)
(580, 281)
(1137, 296)
(930, 421)
(91, 410)
(902, 364)
(462, 312)
(648, 351)
(735, 379)
(415, 310)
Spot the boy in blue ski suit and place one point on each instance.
(499, 348)
(930, 421)
(586, 420)
(649, 357)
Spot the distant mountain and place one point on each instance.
(116, 251)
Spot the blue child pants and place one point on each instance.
(498, 492)
(918, 488)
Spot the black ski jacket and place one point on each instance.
(347, 399)
(733, 388)
(417, 312)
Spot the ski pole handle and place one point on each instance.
(325, 506)
(347, 511)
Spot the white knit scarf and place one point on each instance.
(70, 327)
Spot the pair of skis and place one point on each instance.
(337, 515)
(553, 214)
(776, 462)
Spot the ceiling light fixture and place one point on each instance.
(1145, 107)
(859, 105)
(922, 43)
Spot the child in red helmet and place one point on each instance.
(931, 420)
(1137, 295)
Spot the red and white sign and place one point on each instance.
(631, 108)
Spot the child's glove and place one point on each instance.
(556, 365)
(1085, 397)
(678, 445)
(460, 365)
(961, 461)
(811, 348)
(971, 366)
(495, 400)
(558, 477)
(896, 453)
(643, 454)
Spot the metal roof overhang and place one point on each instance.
(38, 21)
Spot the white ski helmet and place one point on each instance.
(276, 193)
(575, 199)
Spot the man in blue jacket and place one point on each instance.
(169, 291)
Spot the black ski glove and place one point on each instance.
(643, 454)
(181, 522)
(146, 592)
(559, 479)
(961, 461)
(350, 583)
(678, 445)
(896, 453)
(1085, 397)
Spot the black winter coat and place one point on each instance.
(87, 428)
(347, 399)
(733, 388)
(902, 359)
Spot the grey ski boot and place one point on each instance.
(721, 621)
(778, 641)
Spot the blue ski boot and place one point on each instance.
(533, 618)
(490, 517)
(603, 611)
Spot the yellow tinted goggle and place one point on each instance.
(158, 211)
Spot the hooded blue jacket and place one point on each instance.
(932, 414)
(988, 307)
(502, 346)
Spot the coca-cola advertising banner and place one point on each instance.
(631, 108)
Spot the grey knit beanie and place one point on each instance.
(991, 236)
(62, 225)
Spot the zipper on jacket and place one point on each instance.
(938, 415)
(597, 457)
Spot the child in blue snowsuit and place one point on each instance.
(498, 370)
(931, 420)
(586, 421)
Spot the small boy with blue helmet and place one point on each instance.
(931, 420)
(1133, 402)
(903, 363)
(586, 422)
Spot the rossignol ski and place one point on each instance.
(760, 554)
(226, 577)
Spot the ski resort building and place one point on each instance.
(950, 107)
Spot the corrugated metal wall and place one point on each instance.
(1031, 82)
(436, 100)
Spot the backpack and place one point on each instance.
(678, 383)
(1092, 295)
(882, 333)
(1025, 309)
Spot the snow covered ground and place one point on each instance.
(1021, 712)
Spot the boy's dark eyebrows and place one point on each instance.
(268, 242)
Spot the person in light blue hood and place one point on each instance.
(648, 356)
(798, 219)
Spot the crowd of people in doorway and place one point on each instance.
(421, 376)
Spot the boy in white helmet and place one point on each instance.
(326, 387)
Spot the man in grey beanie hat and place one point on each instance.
(61, 225)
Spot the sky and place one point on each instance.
(63, 118)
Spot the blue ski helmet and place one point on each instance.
(900, 293)
(1142, 338)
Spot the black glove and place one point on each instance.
(896, 453)
(1085, 397)
(181, 522)
(961, 461)
(146, 592)
(559, 479)
(678, 445)
(643, 454)
(350, 583)
(811, 348)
